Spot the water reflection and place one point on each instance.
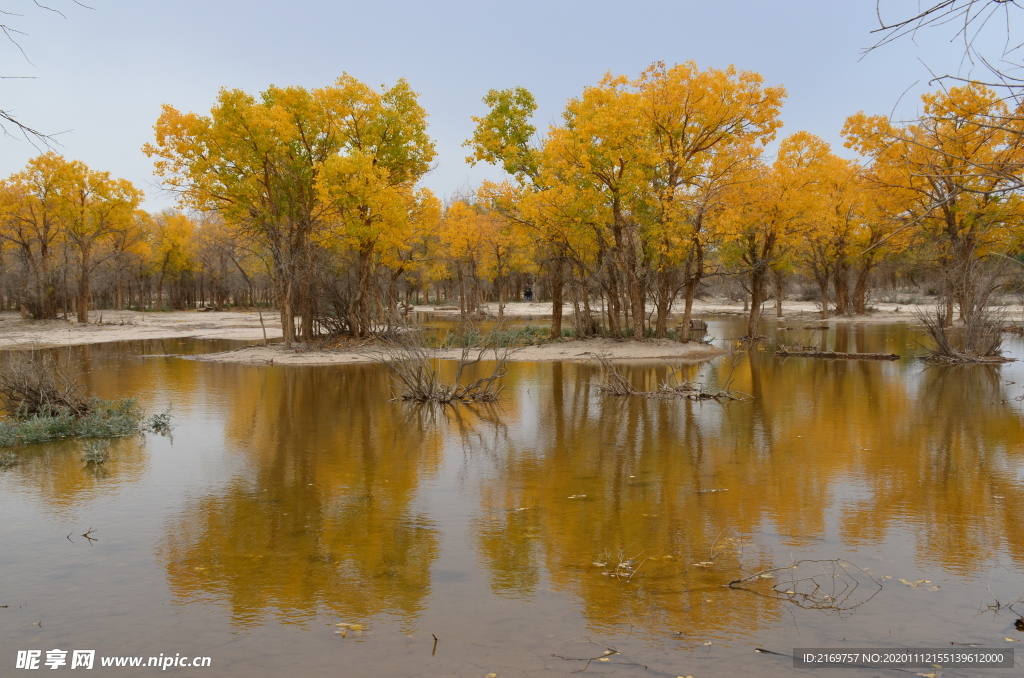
(314, 498)
(58, 479)
(324, 515)
(570, 483)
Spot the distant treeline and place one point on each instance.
(647, 192)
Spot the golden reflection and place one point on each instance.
(696, 494)
(323, 518)
(61, 479)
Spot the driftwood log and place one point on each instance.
(833, 355)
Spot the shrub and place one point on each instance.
(39, 382)
(105, 419)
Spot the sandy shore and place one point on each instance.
(245, 326)
(133, 326)
(791, 310)
(565, 350)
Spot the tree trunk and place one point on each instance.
(823, 290)
(860, 289)
(778, 294)
(501, 297)
(757, 297)
(842, 287)
(287, 315)
(557, 285)
(83, 294)
(690, 291)
(664, 304)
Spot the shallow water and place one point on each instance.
(290, 499)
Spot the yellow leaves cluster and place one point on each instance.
(338, 164)
(57, 201)
(634, 158)
(953, 172)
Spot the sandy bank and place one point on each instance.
(566, 350)
(245, 326)
(133, 326)
(791, 310)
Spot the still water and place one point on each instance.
(533, 534)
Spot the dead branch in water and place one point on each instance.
(40, 382)
(794, 352)
(615, 383)
(612, 381)
(417, 374)
(830, 585)
(980, 341)
(608, 655)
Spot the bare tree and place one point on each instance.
(968, 20)
(8, 122)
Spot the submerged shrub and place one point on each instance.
(980, 338)
(160, 422)
(96, 452)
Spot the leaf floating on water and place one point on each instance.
(603, 659)
(577, 496)
(706, 563)
(350, 627)
(917, 583)
(927, 675)
(1012, 640)
(491, 675)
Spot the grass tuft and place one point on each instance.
(105, 419)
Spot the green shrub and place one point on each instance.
(105, 419)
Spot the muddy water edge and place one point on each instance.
(531, 535)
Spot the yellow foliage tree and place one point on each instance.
(770, 210)
(287, 166)
(951, 178)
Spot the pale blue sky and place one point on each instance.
(104, 72)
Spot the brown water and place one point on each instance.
(291, 499)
